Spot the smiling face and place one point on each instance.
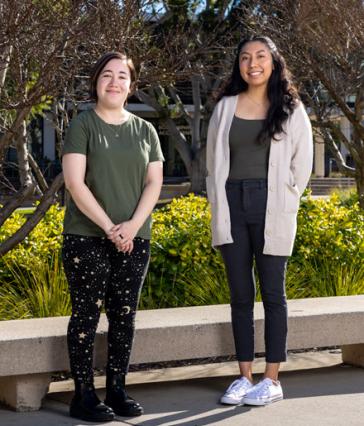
(113, 84)
(255, 63)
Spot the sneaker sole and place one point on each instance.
(228, 401)
(247, 401)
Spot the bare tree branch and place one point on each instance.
(46, 201)
(37, 173)
(15, 202)
(180, 104)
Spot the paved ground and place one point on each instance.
(332, 396)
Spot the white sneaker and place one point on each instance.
(236, 391)
(265, 392)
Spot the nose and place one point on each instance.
(113, 80)
(252, 62)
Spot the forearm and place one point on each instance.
(87, 203)
(146, 203)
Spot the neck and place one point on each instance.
(111, 115)
(258, 94)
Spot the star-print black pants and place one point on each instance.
(97, 273)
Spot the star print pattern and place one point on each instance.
(101, 273)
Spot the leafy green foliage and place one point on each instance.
(185, 270)
(330, 229)
(38, 247)
(181, 254)
(181, 238)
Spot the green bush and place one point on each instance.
(38, 247)
(185, 270)
(181, 250)
(330, 229)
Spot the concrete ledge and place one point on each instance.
(295, 361)
(37, 346)
(353, 354)
(25, 392)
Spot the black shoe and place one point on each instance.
(118, 399)
(85, 405)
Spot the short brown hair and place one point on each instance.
(99, 66)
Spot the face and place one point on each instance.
(255, 63)
(113, 84)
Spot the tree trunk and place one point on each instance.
(22, 154)
(198, 172)
(359, 178)
(4, 65)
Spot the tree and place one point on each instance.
(323, 43)
(46, 49)
(204, 35)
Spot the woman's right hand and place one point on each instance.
(125, 247)
(123, 244)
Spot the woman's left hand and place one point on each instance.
(122, 233)
(125, 247)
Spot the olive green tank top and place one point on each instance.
(248, 158)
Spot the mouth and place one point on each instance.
(255, 73)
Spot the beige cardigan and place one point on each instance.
(289, 169)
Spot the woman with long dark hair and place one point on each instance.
(112, 165)
(259, 160)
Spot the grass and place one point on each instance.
(41, 292)
(203, 286)
(325, 279)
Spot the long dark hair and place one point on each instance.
(282, 94)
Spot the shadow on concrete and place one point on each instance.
(195, 402)
(335, 380)
(325, 396)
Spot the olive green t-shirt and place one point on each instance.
(117, 158)
(248, 158)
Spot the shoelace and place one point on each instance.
(236, 386)
(262, 387)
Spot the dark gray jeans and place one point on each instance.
(247, 202)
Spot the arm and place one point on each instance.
(302, 158)
(74, 170)
(153, 184)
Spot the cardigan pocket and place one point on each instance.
(291, 198)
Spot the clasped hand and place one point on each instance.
(122, 235)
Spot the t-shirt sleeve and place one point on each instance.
(155, 153)
(76, 139)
